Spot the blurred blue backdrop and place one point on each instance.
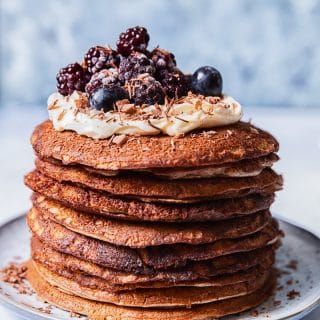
(268, 51)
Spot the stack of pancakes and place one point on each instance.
(154, 227)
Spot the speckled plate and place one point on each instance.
(300, 248)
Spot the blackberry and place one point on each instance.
(162, 59)
(175, 84)
(134, 39)
(137, 63)
(103, 78)
(71, 78)
(145, 90)
(98, 58)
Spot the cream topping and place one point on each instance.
(194, 112)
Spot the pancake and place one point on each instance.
(193, 271)
(242, 168)
(226, 144)
(147, 188)
(94, 282)
(155, 298)
(143, 234)
(142, 260)
(96, 202)
(97, 310)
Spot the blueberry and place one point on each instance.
(207, 81)
(104, 98)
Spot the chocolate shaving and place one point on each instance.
(184, 120)
(61, 115)
(152, 125)
(120, 139)
(127, 108)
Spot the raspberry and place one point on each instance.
(71, 78)
(145, 90)
(98, 58)
(175, 84)
(134, 39)
(104, 78)
(163, 59)
(137, 63)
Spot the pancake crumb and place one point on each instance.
(293, 294)
(276, 303)
(15, 274)
(47, 310)
(74, 315)
(293, 264)
(254, 313)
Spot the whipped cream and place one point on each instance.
(194, 112)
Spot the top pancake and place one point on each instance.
(225, 144)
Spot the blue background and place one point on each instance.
(267, 51)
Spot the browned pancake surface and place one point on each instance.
(97, 310)
(154, 189)
(228, 144)
(143, 234)
(141, 260)
(99, 203)
(193, 271)
(164, 298)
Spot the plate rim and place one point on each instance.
(18, 308)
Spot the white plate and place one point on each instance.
(298, 244)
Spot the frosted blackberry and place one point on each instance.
(105, 78)
(71, 78)
(98, 58)
(175, 84)
(146, 90)
(137, 63)
(134, 39)
(162, 59)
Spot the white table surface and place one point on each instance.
(298, 131)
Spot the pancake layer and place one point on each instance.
(96, 202)
(142, 260)
(242, 168)
(98, 310)
(155, 298)
(227, 144)
(159, 190)
(140, 235)
(193, 271)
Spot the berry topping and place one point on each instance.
(137, 63)
(145, 90)
(163, 59)
(175, 84)
(71, 78)
(104, 78)
(105, 98)
(98, 58)
(134, 39)
(207, 81)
